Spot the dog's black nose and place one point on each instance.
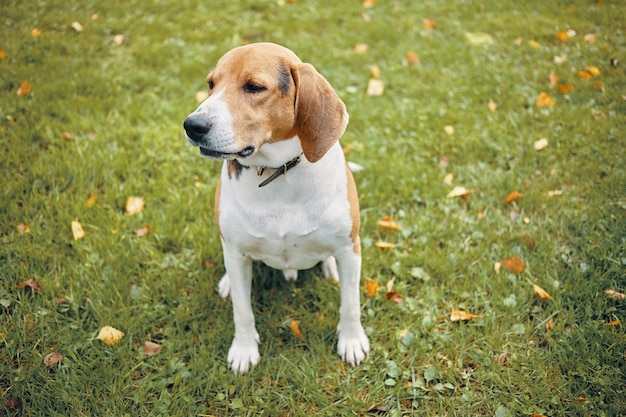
(196, 126)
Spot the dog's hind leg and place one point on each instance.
(290, 274)
(329, 268)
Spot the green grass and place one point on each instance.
(124, 105)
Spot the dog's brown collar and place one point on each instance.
(279, 171)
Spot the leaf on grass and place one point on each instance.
(2, 54)
(615, 295)
(24, 88)
(533, 44)
(384, 245)
(429, 24)
(554, 80)
(390, 284)
(461, 315)
(513, 196)
(388, 223)
(360, 48)
(368, 4)
(544, 100)
(394, 296)
(134, 205)
(295, 328)
(30, 283)
(142, 231)
(151, 348)
(412, 58)
(23, 228)
(514, 264)
(593, 70)
(449, 130)
(110, 335)
(13, 403)
(91, 201)
(590, 38)
(565, 88)
(543, 294)
(585, 75)
(559, 59)
(540, 144)
(458, 191)
(561, 35)
(375, 71)
(119, 39)
(614, 323)
(35, 33)
(448, 178)
(479, 38)
(77, 27)
(371, 287)
(492, 106)
(53, 359)
(375, 87)
(77, 230)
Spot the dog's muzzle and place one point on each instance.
(197, 128)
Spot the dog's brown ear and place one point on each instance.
(321, 116)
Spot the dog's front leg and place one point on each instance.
(353, 344)
(244, 352)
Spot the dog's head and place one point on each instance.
(263, 93)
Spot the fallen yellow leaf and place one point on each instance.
(561, 35)
(492, 106)
(565, 88)
(2, 54)
(614, 323)
(371, 287)
(544, 100)
(540, 144)
(388, 223)
(295, 328)
(375, 71)
(375, 87)
(77, 230)
(384, 245)
(412, 58)
(23, 228)
(615, 295)
(449, 130)
(458, 191)
(543, 294)
(429, 24)
(91, 200)
(134, 205)
(110, 335)
(119, 39)
(35, 33)
(585, 75)
(593, 70)
(360, 48)
(513, 196)
(534, 44)
(390, 283)
(460, 315)
(448, 178)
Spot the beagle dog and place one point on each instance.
(286, 196)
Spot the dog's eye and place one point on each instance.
(210, 85)
(253, 88)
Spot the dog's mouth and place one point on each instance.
(209, 153)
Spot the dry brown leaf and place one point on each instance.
(77, 230)
(615, 295)
(388, 223)
(544, 100)
(151, 348)
(134, 205)
(492, 106)
(77, 27)
(53, 359)
(590, 38)
(110, 335)
(514, 264)
(394, 296)
(384, 245)
(461, 315)
(559, 59)
(585, 75)
(458, 191)
(375, 87)
(295, 328)
(30, 283)
(412, 58)
(513, 196)
(24, 88)
(390, 284)
(371, 287)
(119, 39)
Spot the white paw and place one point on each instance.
(329, 268)
(353, 345)
(223, 288)
(243, 356)
(290, 274)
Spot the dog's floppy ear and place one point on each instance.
(321, 116)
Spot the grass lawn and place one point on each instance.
(99, 120)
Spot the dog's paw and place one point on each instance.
(290, 274)
(353, 345)
(329, 268)
(223, 288)
(243, 356)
